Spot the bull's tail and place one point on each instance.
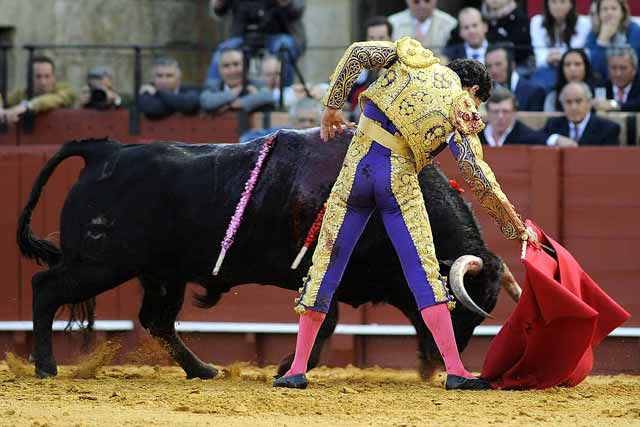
(44, 251)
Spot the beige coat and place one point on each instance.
(439, 30)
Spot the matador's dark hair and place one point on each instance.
(473, 73)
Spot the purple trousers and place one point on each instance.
(372, 177)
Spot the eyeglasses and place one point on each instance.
(421, 1)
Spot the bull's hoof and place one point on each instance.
(204, 372)
(455, 382)
(292, 381)
(428, 370)
(46, 371)
(285, 364)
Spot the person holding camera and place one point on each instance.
(98, 94)
(257, 24)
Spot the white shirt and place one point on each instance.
(542, 43)
(488, 134)
(552, 141)
(480, 51)
(515, 78)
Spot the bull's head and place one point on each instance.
(472, 265)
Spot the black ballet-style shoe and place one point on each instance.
(455, 382)
(292, 381)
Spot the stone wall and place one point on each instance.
(119, 22)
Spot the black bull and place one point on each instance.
(159, 211)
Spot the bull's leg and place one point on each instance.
(429, 359)
(58, 286)
(160, 307)
(326, 330)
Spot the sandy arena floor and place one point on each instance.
(146, 395)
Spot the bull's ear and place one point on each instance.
(445, 266)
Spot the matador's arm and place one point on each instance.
(359, 56)
(466, 147)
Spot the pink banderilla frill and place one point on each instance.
(311, 237)
(236, 219)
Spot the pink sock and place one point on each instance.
(438, 320)
(308, 328)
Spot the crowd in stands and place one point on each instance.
(581, 67)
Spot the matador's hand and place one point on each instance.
(331, 120)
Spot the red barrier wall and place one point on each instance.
(60, 126)
(587, 198)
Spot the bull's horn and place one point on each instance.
(509, 283)
(463, 265)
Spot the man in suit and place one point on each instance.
(623, 87)
(473, 31)
(502, 127)
(166, 94)
(425, 23)
(229, 92)
(501, 65)
(579, 126)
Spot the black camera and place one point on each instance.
(256, 16)
(98, 95)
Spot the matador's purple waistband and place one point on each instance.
(374, 113)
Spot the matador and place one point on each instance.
(413, 111)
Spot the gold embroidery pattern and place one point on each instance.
(418, 101)
(406, 189)
(464, 116)
(478, 175)
(359, 56)
(412, 53)
(332, 222)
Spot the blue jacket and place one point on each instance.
(599, 53)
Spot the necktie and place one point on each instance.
(619, 94)
(573, 131)
(419, 33)
(475, 55)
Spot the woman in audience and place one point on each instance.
(616, 28)
(552, 33)
(574, 66)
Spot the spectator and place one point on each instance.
(503, 128)
(304, 114)
(579, 126)
(473, 31)
(99, 94)
(574, 67)
(507, 23)
(274, 23)
(378, 29)
(424, 22)
(558, 29)
(48, 93)
(616, 28)
(501, 65)
(166, 95)
(228, 92)
(270, 70)
(623, 87)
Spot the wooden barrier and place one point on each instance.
(586, 198)
(60, 126)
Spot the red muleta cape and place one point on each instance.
(562, 315)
